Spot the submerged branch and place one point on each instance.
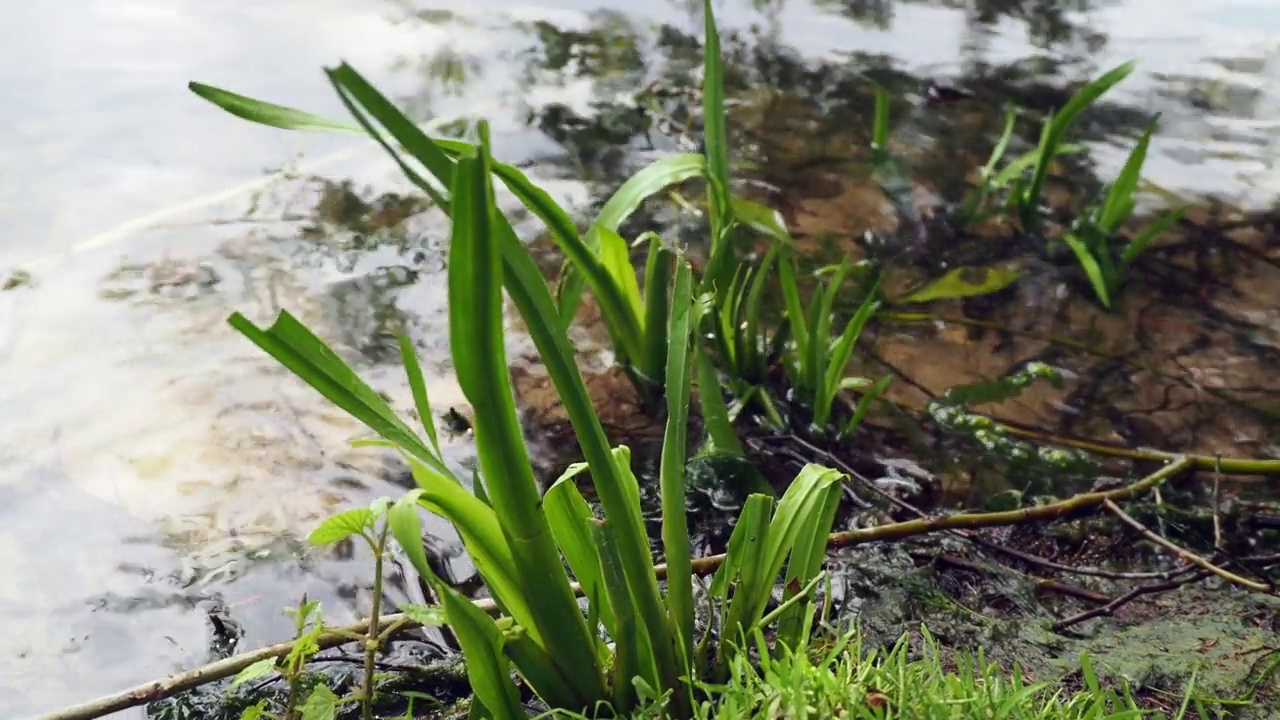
(174, 684)
(1223, 465)
(1187, 555)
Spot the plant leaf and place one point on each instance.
(864, 403)
(265, 113)
(1147, 236)
(479, 355)
(421, 401)
(406, 528)
(321, 704)
(1091, 268)
(570, 518)
(1119, 203)
(341, 526)
(655, 177)
(964, 282)
(487, 667)
(762, 219)
(841, 352)
(256, 671)
(305, 355)
(671, 478)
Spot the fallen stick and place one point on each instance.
(160, 689)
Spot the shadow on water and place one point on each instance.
(203, 519)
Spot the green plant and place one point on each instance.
(1091, 235)
(371, 525)
(320, 702)
(1024, 191)
(515, 536)
(817, 365)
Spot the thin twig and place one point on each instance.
(1110, 608)
(174, 684)
(839, 464)
(1227, 466)
(1217, 515)
(1183, 552)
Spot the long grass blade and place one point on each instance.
(570, 518)
(795, 311)
(657, 281)
(1119, 203)
(807, 554)
(482, 537)
(475, 334)
(1147, 236)
(309, 358)
(652, 179)
(714, 129)
(629, 641)
(675, 526)
(721, 436)
(487, 667)
(265, 113)
(860, 411)
(747, 562)
(841, 352)
(528, 290)
(1056, 127)
(418, 386)
(1092, 270)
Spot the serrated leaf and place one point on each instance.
(321, 704)
(341, 526)
(256, 671)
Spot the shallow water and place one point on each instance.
(153, 463)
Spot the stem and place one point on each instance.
(372, 638)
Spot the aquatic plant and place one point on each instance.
(816, 370)
(1094, 230)
(1092, 233)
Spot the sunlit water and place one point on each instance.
(153, 463)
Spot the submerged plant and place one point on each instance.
(817, 367)
(1092, 234)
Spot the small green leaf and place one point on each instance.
(258, 670)
(255, 712)
(864, 404)
(762, 219)
(425, 615)
(341, 526)
(964, 282)
(1091, 268)
(1147, 236)
(321, 704)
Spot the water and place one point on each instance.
(154, 464)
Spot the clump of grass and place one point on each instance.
(634, 642)
(1092, 237)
